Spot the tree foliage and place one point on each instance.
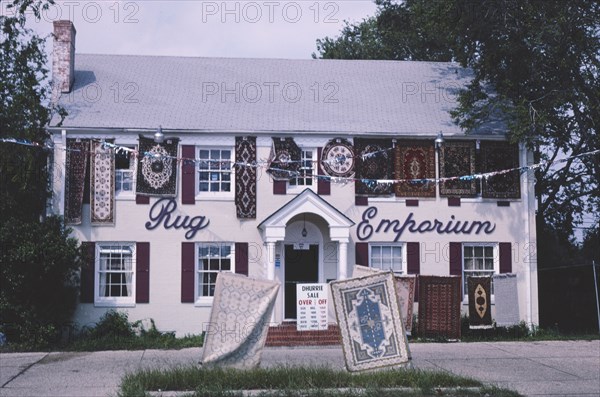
(38, 259)
(542, 59)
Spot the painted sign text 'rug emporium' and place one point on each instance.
(370, 322)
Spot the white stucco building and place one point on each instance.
(355, 132)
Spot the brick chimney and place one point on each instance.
(63, 57)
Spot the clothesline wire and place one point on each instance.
(272, 165)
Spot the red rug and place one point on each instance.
(439, 306)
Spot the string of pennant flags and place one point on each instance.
(294, 174)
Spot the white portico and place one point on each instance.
(300, 237)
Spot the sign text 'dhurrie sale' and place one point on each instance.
(311, 303)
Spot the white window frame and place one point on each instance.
(208, 300)
(403, 256)
(121, 301)
(220, 194)
(496, 270)
(127, 194)
(296, 188)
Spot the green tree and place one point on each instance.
(542, 59)
(38, 259)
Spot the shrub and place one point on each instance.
(38, 279)
(113, 324)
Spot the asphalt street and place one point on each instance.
(547, 368)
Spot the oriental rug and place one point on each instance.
(506, 297)
(480, 302)
(373, 162)
(245, 177)
(458, 159)
(370, 322)
(157, 167)
(498, 156)
(76, 164)
(338, 159)
(285, 159)
(239, 321)
(102, 185)
(405, 290)
(439, 306)
(414, 160)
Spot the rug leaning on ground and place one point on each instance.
(439, 306)
(239, 321)
(405, 288)
(480, 304)
(506, 297)
(370, 322)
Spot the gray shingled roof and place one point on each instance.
(341, 96)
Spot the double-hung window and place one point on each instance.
(387, 256)
(115, 274)
(125, 173)
(212, 258)
(215, 172)
(479, 260)
(306, 172)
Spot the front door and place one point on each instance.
(301, 267)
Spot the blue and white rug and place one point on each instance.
(370, 322)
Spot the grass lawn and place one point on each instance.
(298, 381)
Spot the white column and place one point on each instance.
(270, 260)
(342, 260)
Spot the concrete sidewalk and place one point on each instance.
(556, 368)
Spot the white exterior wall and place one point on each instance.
(514, 224)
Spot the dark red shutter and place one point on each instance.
(88, 270)
(361, 200)
(241, 258)
(323, 182)
(142, 199)
(505, 258)
(362, 254)
(456, 259)
(453, 201)
(279, 187)
(413, 263)
(188, 174)
(142, 273)
(187, 272)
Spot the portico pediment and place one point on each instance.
(308, 201)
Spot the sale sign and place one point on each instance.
(312, 307)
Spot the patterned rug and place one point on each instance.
(76, 165)
(506, 296)
(414, 160)
(376, 166)
(157, 168)
(239, 321)
(370, 322)
(496, 156)
(405, 290)
(102, 185)
(457, 159)
(480, 303)
(245, 177)
(285, 159)
(439, 306)
(338, 159)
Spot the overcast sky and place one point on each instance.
(257, 29)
